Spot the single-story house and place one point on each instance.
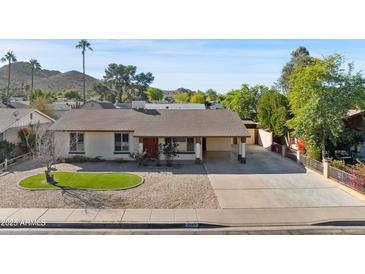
(115, 133)
(12, 120)
(159, 105)
(95, 104)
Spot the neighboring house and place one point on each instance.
(95, 104)
(114, 134)
(12, 120)
(145, 105)
(58, 108)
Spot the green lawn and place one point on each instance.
(83, 180)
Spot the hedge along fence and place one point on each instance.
(354, 181)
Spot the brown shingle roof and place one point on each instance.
(161, 123)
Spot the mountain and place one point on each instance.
(51, 80)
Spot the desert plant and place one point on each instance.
(170, 151)
(140, 157)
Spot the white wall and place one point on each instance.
(265, 138)
(219, 144)
(101, 144)
(97, 144)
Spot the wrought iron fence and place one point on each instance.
(348, 179)
(311, 163)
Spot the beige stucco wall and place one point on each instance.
(219, 144)
(265, 138)
(251, 140)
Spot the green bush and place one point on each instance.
(313, 152)
(339, 164)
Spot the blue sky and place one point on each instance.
(194, 64)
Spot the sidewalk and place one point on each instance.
(58, 217)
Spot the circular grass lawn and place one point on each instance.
(81, 180)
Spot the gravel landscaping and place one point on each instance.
(182, 186)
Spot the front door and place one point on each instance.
(151, 145)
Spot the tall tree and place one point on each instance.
(103, 92)
(182, 97)
(197, 98)
(273, 113)
(34, 67)
(83, 45)
(299, 58)
(10, 58)
(244, 100)
(321, 95)
(211, 95)
(154, 94)
(129, 85)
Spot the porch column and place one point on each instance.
(239, 148)
(140, 147)
(242, 149)
(198, 150)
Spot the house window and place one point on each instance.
(190, 144)
(184, 144)
(2, 137)
(77, 142)
(31, 116)
(121, 142)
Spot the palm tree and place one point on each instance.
(34, 66)
(83, 45)
(10, 58)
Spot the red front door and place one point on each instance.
(151, 145)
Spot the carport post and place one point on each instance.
(198, 150)
(242, 150)
(140, 147)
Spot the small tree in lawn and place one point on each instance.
(170, 151)
(44, 151)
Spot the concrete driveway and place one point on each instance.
(270, 181)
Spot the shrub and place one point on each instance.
(170, 151)
(339, 164)
(140, 157)
(313, 152)
(81, 159)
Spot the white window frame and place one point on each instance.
(122, 144)
(186, 142)
(79, 149)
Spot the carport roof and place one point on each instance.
(159, 123)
